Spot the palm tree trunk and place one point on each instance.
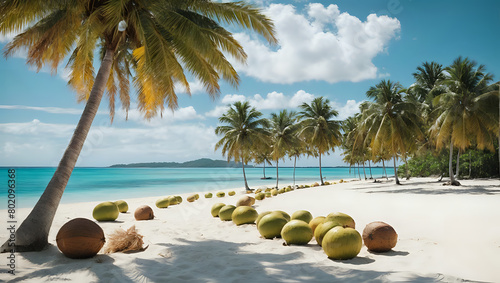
(294, 163)
(264, 170)
(453, 182)
(470, 165)
(364, 171)
(395, 171)
(277, 174)
(359, 174)
(320, 175)
(370, 166)
(383, 165)
(244, 175)
(458, 165)
(406, 169)
(33, 232)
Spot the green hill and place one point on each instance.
(199, 163)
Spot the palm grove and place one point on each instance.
(449, 116)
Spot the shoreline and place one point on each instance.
(446, 234)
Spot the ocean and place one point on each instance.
(101, 184)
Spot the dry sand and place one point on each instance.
(446, 234)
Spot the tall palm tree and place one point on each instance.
(283, 131)
(263, 156)
(391, 121)
(243, 131)
(318, 128)
(468, 110)
(428, 79)
(151, 42)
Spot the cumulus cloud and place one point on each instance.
(168, 116)
(322, 44)
(348, 109)
(52, 110)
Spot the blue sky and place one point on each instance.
(332, 49)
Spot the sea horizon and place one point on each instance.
(106, 183)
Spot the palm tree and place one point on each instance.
(283, 131)
(263, 155)
(468, 110)
(318, 128)
(152, 42)
(243, 132)
(428, 79)
(391, 121)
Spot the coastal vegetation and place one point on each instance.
(152, 43)
(449, 118)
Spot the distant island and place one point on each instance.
(199, 163)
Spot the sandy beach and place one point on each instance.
(446, 234)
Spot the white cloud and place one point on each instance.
(348, 109)
(217, 111)
(323, 45)
(168, 117)
(52, 110)
(195, 87)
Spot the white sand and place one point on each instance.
(446, 234)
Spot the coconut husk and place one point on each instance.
(124, 241)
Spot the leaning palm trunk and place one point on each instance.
(406, 169)
(395, 171)
(383, 164)
(32, 234)
(359, 174)
(244, 175)
(458, 165)
(370, 166)
(264, 170)
(450, 167)
(294, 163)
(364, 171)
(320, 174)
(277, 174)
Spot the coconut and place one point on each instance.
(162, 202)
(258, 191)
(271, 224)
(225, 213)
(284, 214)
(122, 206)
(342, 243)
(342, 218)
(105, 211)
(179, 199)
(172, 200)
(245, 201)
(144, 213)
(296, 232)
(220, 194)
(260, 196)
(315, 222)
(260, 216)
(288, 190)
(215, 209)
(268, 194)
(196, 196)
(191, 198)
(379, 237)
(327, 183)
(208, 195)
(274, 192)
(244, 215)
(303, 215)
(322, 229)
(80, 238)
(231, 193)
(281, 191)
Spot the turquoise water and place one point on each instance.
(100, 184)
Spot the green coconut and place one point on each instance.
(231, 193)
(296, 232)
(341, 218)
(303, 215)
(316, 221)
(260, 196)
(220, 194)
(105, 211)
(268, 194)
(270, 225)
(281, 191)
(284, 214)
(122, 206)
(215, 209)
(244, 215)
(172, 200)
(226, 212)
(274, 192)
(342, 243)
(162, 202)
(191, 198)
(268, 190)
(288, 190)
(179, 199)
(258, 191)
(260, 216)
(322, 229)
(208, 195)
(196, 196)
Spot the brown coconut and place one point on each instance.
(245, 201)
(80, 238)
(144, 213)
(191, 198)
(379, 237)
